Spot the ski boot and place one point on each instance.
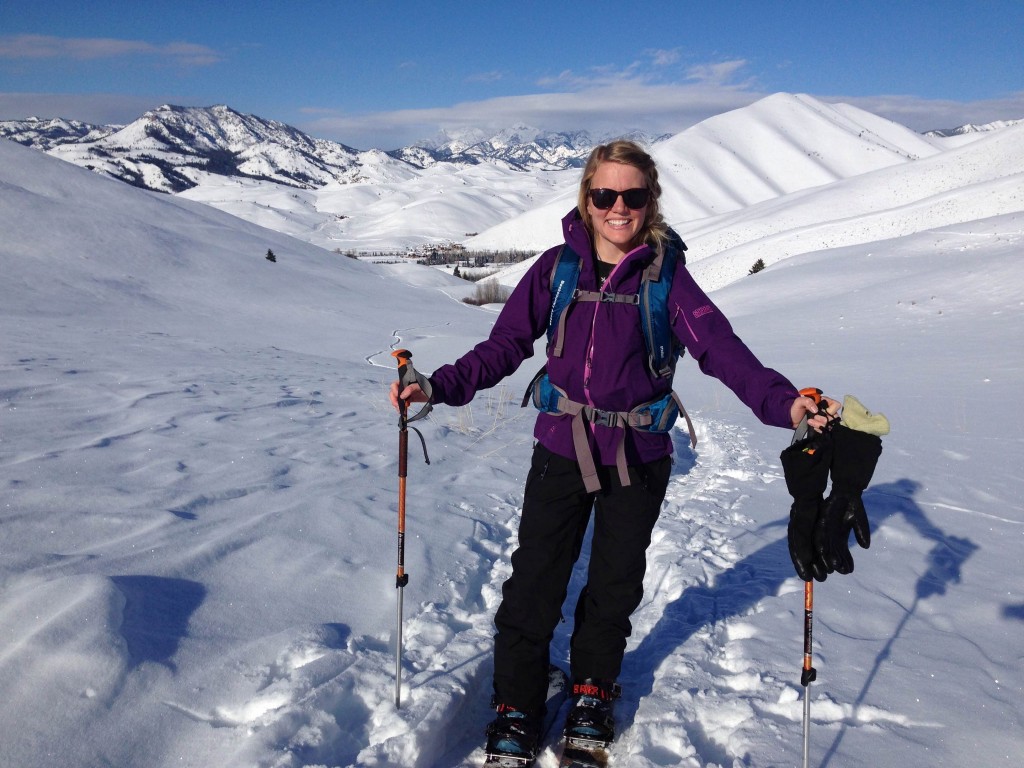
(512, 738)
(591, 723)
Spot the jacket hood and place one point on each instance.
(575, 232)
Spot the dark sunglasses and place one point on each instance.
(603, 199)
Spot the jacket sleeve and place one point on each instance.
(521, 321)
(708, 335)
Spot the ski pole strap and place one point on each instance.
(423, 443)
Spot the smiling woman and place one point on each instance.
(599, 450)
(616, 227)
(618, 197)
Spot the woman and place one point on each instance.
(617, 229)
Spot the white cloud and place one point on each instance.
(485, 77)
(663, 58)
(614, 105)
(96, 108)
(91, 48)
(719, 73)
(930, 114)
(602, 100)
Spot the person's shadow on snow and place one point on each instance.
(737, 591)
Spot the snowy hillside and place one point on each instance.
(975, 181)
(171, 149)
(508, 189)
(779, 145)
(199, 498)
(47, 133)
(880, 181)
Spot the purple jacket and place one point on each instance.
(610, 336)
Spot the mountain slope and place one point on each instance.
(778, 145)
(982, 179)
(443, 191)
(171, 149)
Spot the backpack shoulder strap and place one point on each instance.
(662, 348)
(564, 278)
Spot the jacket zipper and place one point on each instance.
(588, 366)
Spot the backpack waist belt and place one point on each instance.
(656, 416)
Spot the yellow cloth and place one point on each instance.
(856, 416)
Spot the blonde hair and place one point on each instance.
(655, 229)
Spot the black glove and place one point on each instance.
(854, 456)
(806, 465)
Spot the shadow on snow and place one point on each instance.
(737, 590)
(156, 615)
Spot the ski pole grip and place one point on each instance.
(803, 428)
(407, 375)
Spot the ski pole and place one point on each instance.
(809, 673)
(406, 375)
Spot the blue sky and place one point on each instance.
(384, 74)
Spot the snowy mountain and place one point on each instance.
(171, 149)
(998, 125)
(781, 145)
(470, 182)
(521, 147)
(49, 133)
(199, 473)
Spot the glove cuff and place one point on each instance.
(807, 471)
(854, 457)
(857, 417)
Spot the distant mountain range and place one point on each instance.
(171, 149)
(964, 130)
(499, 191)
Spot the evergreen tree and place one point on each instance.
(758, 266)
(271, 256)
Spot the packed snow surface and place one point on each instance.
(199, 511)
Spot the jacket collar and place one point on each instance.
(574, 230)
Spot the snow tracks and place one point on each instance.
(706, 681)
(692, 693)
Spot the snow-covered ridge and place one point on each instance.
(998, 125)
(718, 174)
(45, 134)
(173, 148)
(500, 191)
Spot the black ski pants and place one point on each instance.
(556, 511)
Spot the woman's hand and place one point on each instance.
(411, 394)
(805, 406)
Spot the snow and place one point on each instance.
(200, 495)
(386, 210)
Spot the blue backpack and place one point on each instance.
(663, 351)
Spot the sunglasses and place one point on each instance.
(603, 199)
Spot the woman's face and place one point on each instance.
(616, 229)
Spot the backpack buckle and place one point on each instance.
(603, 418)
